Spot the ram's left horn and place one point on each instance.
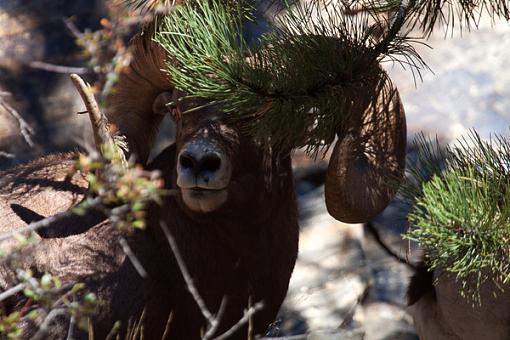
(368, 159)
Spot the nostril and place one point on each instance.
(187, 161)
(210, 163)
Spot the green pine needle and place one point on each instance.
(447, 14)
(428, 14)
(461, 216)
(150, 5)
(296, 87)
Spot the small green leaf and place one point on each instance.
(77, 287)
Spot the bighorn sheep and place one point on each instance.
(441, 313)
(234, 216)
(234, 219)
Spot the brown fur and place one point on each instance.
(130, 105)
(441, 313)
(421, 284)
(244, 251)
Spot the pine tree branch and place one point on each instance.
(335, 55)
(398, 22)
(461, 210)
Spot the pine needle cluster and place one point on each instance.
(154, 7)
(466, 14)
(297, 85)
(428, 15)
(461, 214)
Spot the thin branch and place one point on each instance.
(7, 155)
(58, 68)
(397, 24)
(186, 275)
(88, 204)
(73, 29)
(113, 334)
(132, 257)
(378, 239)
(214, 326)
(45, 326)
(246, 317)
(167, 326)
(72, 321)
(213, 321)
(25, 129)
(99, 122)
(12, 291)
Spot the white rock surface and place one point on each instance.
(470, 86)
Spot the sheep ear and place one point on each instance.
(163, 103)
(368, 160)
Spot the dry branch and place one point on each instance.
(25, 129)
(105, 144)
(186, 275)
(12, 291)
(213, 321)
(132, 257)
(45, 326)
(248, 314)
(58, 68)
(7, 155)
(99, 122)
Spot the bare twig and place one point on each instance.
(58, 68)
(186, 275)
(213, 321)
(99, 122)
(246, 317)
(114, 331)
(167, 326)
(378, 239)
(73, 29)
(12, 291)
(72, 321)
(25, 129)
(45, 326)
(88, 204)
(250, 322)
(214, 326)
(132, 257)
(7, 155)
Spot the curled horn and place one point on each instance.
(368, 159)
(136, 107)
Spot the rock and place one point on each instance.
(35, 31)
(383, 321)
(343, 281)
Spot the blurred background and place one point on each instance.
(345, 285)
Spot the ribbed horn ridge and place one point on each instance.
(368, 159)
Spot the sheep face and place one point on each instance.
(215, 162)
